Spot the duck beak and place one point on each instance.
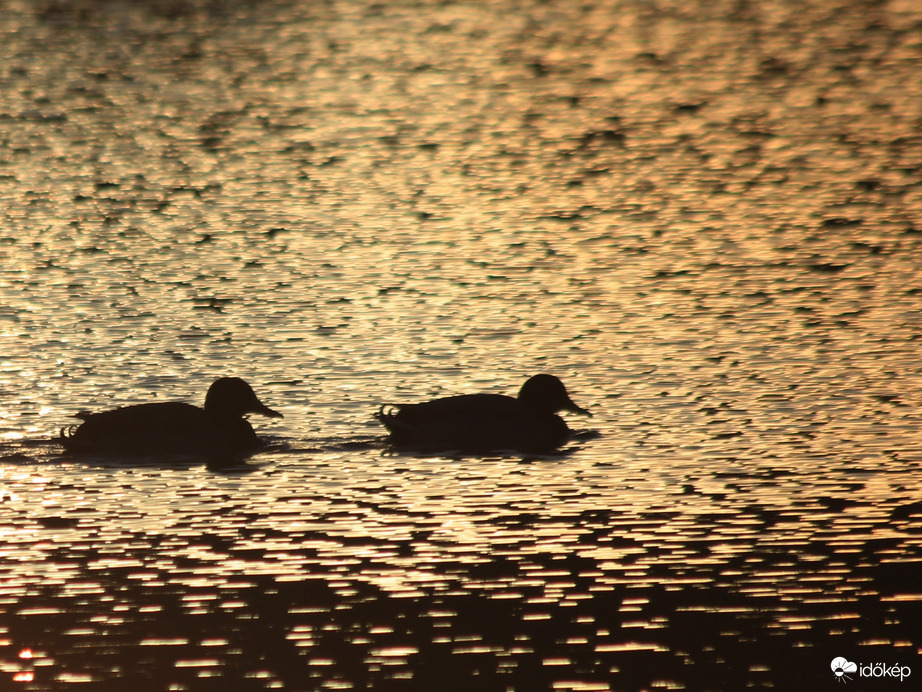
(576, 409)
(260, 408)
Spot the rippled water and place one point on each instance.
(703, 216)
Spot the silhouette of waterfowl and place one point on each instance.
(485, 422)
(174, 427)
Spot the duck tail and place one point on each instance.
(68, 438)
(389, 416)
(67, 435)
(387, 411)
(385, 414)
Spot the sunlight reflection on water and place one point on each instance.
(703, 217)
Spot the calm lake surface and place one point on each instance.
(705, 217)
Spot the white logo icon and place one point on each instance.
(840, 667)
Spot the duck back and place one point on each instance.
(172, 427)
(473, 423)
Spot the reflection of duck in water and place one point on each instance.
(485, 422)
(174, 427)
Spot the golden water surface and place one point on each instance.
(705, 217)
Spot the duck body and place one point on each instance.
(480, 423)
(174, 427)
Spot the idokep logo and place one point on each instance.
(841, 668)
(844, 669)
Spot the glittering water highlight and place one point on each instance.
(704, 217)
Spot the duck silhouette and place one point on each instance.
(485, 422)
(218, 428)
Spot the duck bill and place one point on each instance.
(264, 410)
(576, 409)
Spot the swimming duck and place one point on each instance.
(485, 422)
(174, 427)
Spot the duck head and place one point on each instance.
(546, 394)
(231, 397)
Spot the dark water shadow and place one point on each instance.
(320, 445)
(574, 444)
(456, 635)
(49, 451)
